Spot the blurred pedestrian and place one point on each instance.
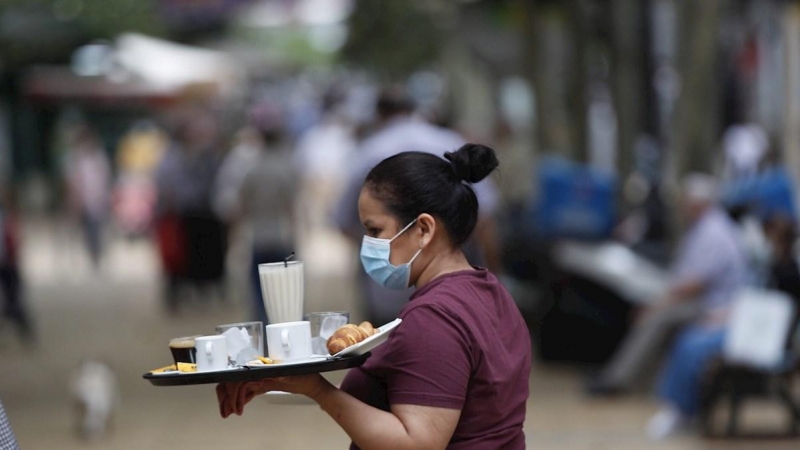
(138, 154)
(780, 231)
(191, 237)
(320, 156)
(398, 130)
(234, 168)
(10, 279)
(7, 439)
(267, 202)
(710, 267)
(745, 146)
(88, 175)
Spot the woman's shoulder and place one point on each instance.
(460, 285)
(457, 296)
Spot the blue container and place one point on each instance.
(769, 193)
(574, 201)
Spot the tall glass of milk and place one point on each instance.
(282, 290)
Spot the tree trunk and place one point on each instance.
(548, 46)
(630, 78)
(696, 119)
(791, 125)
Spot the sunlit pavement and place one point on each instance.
(115, 315)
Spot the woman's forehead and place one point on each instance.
(369, 207)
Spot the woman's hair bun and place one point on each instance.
(473, 162)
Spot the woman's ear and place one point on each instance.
(427, 227)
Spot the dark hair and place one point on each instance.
(392, 101)
(412, 183)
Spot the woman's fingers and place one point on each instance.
(232, 392)
(233, 396)
(246, 393)
(240, 398)
(223, 400)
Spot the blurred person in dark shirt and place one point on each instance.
(781, 233)
(10, 277)
(191, 237)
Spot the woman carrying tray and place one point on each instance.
(455, 373)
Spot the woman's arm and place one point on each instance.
(405, 427)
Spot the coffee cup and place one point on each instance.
(289, 341)
(183, 350)
(211, 353)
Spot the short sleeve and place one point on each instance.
(430, 360)
(705, 258)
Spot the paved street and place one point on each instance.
(114, 315)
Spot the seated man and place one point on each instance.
(710, 266)
(698, 345)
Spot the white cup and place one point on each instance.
(289, 341)
(212, 353)
(282, 289)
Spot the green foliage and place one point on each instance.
(393, 37)
(98, 18)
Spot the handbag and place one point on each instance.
(758, 328)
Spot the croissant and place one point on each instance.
(366, 326)
(348, 335)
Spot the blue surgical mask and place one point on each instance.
(375, 259)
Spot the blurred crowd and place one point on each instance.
(204, 183)
(199, 187)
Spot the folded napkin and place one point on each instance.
(260, 361)
(182, 367)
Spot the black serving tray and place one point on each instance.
(256, 372)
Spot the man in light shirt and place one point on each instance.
(709, 268)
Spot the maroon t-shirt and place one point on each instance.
(462, 345)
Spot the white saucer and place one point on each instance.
(372, 341)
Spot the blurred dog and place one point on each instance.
(95, 391)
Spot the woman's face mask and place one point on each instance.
(375, 259)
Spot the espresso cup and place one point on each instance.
(289, 341)
(183, 350)
(211, 353)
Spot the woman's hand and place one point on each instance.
(233, 396)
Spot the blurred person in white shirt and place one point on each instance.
(320, 156)
(88, 174)
(265, 202)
